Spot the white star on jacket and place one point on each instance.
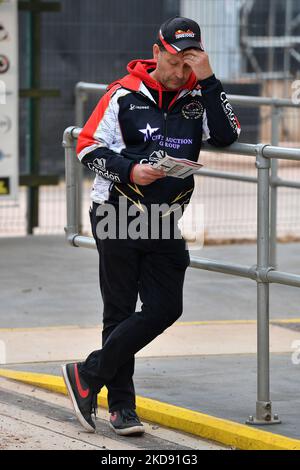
(148, 131)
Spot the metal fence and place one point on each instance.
(258, 55)
(94, 40)
(263, 273)
(82, 91)
(226, 189)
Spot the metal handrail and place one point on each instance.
(85, 87)
(263, 273)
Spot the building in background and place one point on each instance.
(220, 28)
(93, 40)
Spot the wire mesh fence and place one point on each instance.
(229, 206)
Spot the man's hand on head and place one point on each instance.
(199, 63)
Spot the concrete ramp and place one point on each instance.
(31, 418)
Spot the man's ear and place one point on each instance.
(155, 51)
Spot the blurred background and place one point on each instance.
(254, 48)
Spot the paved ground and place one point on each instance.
(181, 339)
(223, 385)
(46, 282)
(49, 292)
(33, 419)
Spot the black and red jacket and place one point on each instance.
(130, 126)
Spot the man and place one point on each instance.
(164, 106)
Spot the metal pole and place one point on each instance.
(262, 272)
(263, 404)
(99, 89)
(276, 115)
(271, 33)
(263, 392)
(80, 98)
(34, 119)
(71, 165)
(287, 56)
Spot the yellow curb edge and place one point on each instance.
(205, 426)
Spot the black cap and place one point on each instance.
(178, 34)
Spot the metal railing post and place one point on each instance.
(262, 272)
(276, 117)
(80, 99)
(263, 404)
(71, 164)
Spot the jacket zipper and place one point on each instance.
(165, 115)
(154, 102)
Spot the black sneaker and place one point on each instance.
(125, 422)
(83, 399)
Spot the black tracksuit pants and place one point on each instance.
(155, 270)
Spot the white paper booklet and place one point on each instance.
(177, 167)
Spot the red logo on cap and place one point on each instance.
(184, 34)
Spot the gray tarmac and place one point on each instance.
(45, 282)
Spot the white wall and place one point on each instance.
(219, 23)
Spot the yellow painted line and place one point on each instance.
(215, 322)
(286, 320)
(236, 322)
(50, 328)
(183, 323)
(215, 429)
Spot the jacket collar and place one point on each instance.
(139, 73)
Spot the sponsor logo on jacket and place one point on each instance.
(100, 163)
(228, 111)
(192, 110)
(148, 131)
(171, 142)
(98, 166)
(134, 107)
